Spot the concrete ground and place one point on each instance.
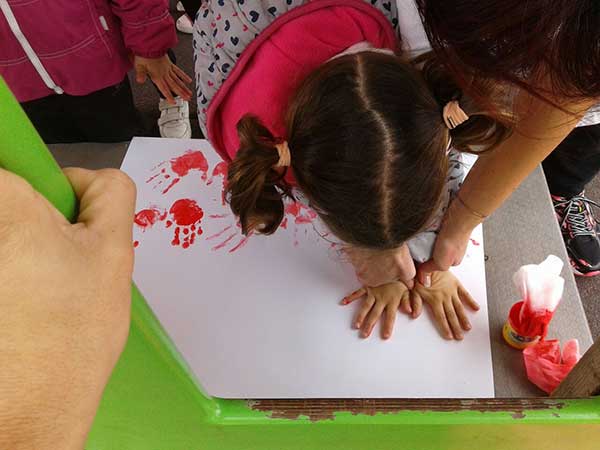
(146, 99)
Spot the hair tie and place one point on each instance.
(285, 158)
(453, 115)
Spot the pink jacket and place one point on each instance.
(271, 67)
(78, 46)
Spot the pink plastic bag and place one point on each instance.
(545, 365)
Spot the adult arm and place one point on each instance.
(496, 175)
(65, 294)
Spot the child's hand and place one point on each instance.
(388, 298)
(446, 297)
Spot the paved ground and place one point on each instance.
(146, 99)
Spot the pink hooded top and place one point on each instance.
(271, 67)
(78, 46)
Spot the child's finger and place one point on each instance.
(355, 295)
(363, 311)
(440, 318)
(467, 298)
(372, 319)
(181, 74)
(389, 320)
(460, 312)
(453, 321)
(405, 303)
(417, 304)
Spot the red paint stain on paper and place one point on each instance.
(474, 242)
(302, 214)
(146, 218)
(220, 233)
(136, 244)
(220, 170)
(218, 216)
(186, 215)
(240, 244)
(192, 160)
(224, 243)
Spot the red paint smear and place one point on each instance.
(148, 217)
(173, 183)
(284, 223)
(474, 242)
(218, 216)
(224, 243)
(186, 212)
(220, 170)
(190, 160)
(301, 212)
(220, 233)
(152, 177)
(158, 165)
(240, 244)
(136, 244)
(176, 240)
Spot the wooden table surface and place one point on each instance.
(523, 231)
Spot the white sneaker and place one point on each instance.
(174, 120)
(185, 25)
(180, 7)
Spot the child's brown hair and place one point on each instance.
(368, 149)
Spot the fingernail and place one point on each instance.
(427, 282)
(386, 335)
(357, 325)
(468, 327)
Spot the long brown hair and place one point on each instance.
(368, 146)
(547, 47)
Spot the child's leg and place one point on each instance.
(107, 115)
(51, 121)
(568, 169)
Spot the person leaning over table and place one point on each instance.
(548, 53)
(65, 292)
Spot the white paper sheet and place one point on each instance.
(261, 318)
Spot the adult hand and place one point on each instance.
(65, 293)
(451, 243)
(375, 268)
(168, 78)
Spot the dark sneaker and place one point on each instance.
(579, 228)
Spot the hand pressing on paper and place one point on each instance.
(445, 297)
(384, 299)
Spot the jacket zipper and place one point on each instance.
(33, 57)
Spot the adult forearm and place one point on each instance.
(37, 410)
(496, 175)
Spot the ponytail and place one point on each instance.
(255, 189)
(488, 124)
